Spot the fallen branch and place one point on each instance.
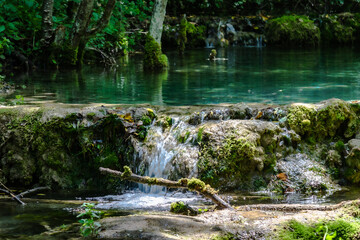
(8, 191)
(107, 59)
(21, 195)
(190, 184)
(297, 207)
(38, 189)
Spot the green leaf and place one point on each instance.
(29, 3)
(2, 28)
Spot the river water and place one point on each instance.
(248, 75)
(265, 75)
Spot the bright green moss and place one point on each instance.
(301, 119)
(335, 118)
(178, 207)
(292, 31)
(233, 161)
(153, 58)
(127, 172)
(196, 184)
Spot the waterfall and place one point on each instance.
(259, 42)
(162, 149)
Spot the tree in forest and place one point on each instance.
(153, 58)
(70, 52)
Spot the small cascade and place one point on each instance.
(164, 148)
(259, 42)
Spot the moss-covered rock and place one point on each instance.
(327, 120)
(41, 147)
(232, 151)
(153, 58)
(292, 31)
(353, 161)
(340, 28)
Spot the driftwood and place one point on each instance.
(38, 189)
(21, 195)
(108, 60)
(190, 184)
(8, 191)
(297, 207)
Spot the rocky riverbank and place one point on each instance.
(308, 148)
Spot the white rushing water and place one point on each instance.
(163, 150)
(137, 200)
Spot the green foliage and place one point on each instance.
(199, 136)
(20, 24)
(90, 227)
(19, 100)
(292, 31)
(337, 229)
(146, 120)
(340, 146)
(340, 29)
(274, 7)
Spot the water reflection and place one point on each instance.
(248, 75)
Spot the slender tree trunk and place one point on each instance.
(105, 18)
(157, 20)
(47, 23)
(81, 23)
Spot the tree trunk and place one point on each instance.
(190, 184)
(81, 23)
(47, 23)
(157, 20)
(105, 18)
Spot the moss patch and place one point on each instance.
(62, 152)
(340, 28)
(292, 31)
(334, 118)
(153, 58)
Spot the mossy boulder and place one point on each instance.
(64, 150)
(327, 120)
(232, 152)
(153, 57)
(292, 31)
(353, 161)
(340, 28)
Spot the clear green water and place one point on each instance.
(249, 75)
(21, 222)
